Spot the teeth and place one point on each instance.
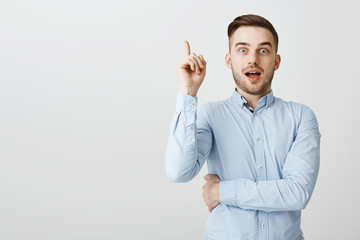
(252, 72)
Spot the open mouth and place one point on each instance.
(253, 75)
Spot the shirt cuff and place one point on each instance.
(227, 193)
(186, 102)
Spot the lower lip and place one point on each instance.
(253, 79)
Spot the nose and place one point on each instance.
(253, 58)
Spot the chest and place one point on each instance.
(245, 143)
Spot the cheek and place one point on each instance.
(269, 64)
(237, 62)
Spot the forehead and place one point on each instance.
(252, 35)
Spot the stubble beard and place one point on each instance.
(253, 89)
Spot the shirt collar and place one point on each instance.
(266, 100)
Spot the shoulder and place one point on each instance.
(215, 107)
(213, 111)
(302, 113)
(295, 107)
(219, 104)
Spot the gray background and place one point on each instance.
(87, 93)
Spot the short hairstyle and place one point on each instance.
(252, 20)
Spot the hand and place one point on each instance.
(191, 72)
(211, 192)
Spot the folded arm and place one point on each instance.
(294, 190)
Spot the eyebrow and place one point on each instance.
(247, 44)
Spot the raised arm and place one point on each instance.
(190, 136)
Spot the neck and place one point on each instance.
(252, 99)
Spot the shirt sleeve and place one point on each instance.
(300, 172)
(190, 140)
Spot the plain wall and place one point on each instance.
(87, 93)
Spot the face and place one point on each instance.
(252, 59)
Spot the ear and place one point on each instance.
(228, 60)
(277, 61)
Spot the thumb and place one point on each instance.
(206, 177)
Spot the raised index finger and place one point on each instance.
(187, 49)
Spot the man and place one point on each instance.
(262, 152)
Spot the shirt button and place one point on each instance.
(254, 113)
(193, 104)
(258, 139)
(260, 167)
(191, 128)
(262, 225)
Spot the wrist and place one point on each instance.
(188, 91)
(227, 192)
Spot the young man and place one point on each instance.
(262, 152)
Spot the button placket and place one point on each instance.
(259, 147)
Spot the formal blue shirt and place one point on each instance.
(267, 159)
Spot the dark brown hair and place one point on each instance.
(252, 20)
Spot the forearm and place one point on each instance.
(268, 196)
(294, 189)
(188, 144)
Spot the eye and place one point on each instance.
(242, 50)
(263, 50)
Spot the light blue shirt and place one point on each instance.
(267, 160)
